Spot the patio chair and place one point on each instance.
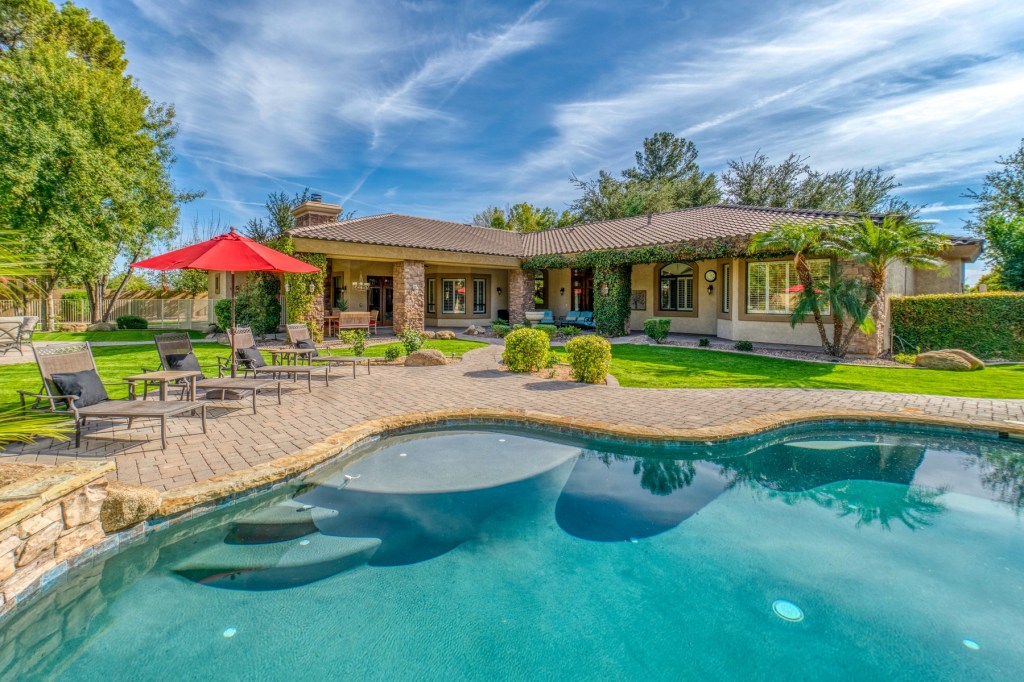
(548, 318)
(28, 328)
(70, 378)
(250, 359)
(176, 353)
(571, 318)
(585, 319)
(10, 335)
(298, 336)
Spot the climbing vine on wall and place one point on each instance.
(675, 253)
(300, 300)
(611, 310)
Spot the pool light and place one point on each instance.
(972, 645)
(787, 610)
(229, 633)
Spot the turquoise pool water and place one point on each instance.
(836, 552)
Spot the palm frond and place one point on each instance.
(18, 427)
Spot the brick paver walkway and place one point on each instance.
(237, 439)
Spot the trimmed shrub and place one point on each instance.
(570, 331)
(132, 322)
(411, 340)
(988, 325)
(500, 329)
(905, 358)
(589, 357)
(356, 337)
(744, 345)
(526, 350)
(392, 352)
(657, 328)
(704, 342)
(548, 329)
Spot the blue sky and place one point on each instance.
(442, 108)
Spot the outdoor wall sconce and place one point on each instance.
(561, 292)
(499, 291)
(312, 287)
(344, 288)
(711, 289)
(604, 288)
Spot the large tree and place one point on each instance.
(792, 183)
(84, 173)
(666, 177)
(523, 217)
(999, 219)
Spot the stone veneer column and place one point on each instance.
(409, 303)
(871, 345)
(520, 295)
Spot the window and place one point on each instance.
(338, 292)
(677, 287)
(726, 286)
(773, 287)
(216, 284)
(540, 289)
(431, 296)
(479, 295)
(453, 296)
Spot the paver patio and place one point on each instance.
(237, 439)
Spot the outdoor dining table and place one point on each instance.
(163, 378)
(291, 355)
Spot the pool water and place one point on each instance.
(834, 552)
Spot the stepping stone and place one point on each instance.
(277, 565)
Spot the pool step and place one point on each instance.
(281, 522)
(279, 565)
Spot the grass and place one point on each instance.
(120, 335)
(667, 367)
(116, 362)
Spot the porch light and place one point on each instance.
(499, 291)
(361, 286)
(604, 288)
(711, 289)
(561, 292)
(312, 287)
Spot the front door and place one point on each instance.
(380, 296)
(583, 290)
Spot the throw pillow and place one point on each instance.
(85, 384)
(184, 362)
(251, 357)
(307, 343)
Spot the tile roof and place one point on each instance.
(690, 224)
(394, 229)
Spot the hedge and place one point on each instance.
(989, 325)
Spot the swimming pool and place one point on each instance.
(838, 551)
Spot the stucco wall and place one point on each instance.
(947, 281)
(704, 319)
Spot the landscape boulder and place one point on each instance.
(445, 335)
(976, 362)
(428, 335)
(102, 327)
(428, 357)
(472, 330)
(72, 327)
(127, 504)
(944, 360)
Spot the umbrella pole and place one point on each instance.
(234, 355)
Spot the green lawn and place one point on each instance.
(668, 367)
(120, 335)
(117, 362)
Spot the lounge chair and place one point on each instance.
(298, 336)
(176, 353)
(249, 359)
(70, 378)
(10, 335)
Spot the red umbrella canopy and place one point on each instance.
(231, 252)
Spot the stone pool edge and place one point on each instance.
(213, 493)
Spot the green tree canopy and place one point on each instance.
(999, 219)
(792, 183)
(86, 154)
(523, 217)
(666, 177)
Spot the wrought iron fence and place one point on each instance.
(176, 313)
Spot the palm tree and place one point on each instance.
(803, 240)
(877, 245)
(17, 271)
(845, 298)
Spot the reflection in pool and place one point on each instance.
(492, 554)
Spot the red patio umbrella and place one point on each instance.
(231, 252)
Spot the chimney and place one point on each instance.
(315, 212)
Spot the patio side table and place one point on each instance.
(162, 378)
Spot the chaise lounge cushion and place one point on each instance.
(251, 357)
(183, 362)
(85, 384)
(307, 343)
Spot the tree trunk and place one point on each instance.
(803, 273)
(109, 307)
(94, 307)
